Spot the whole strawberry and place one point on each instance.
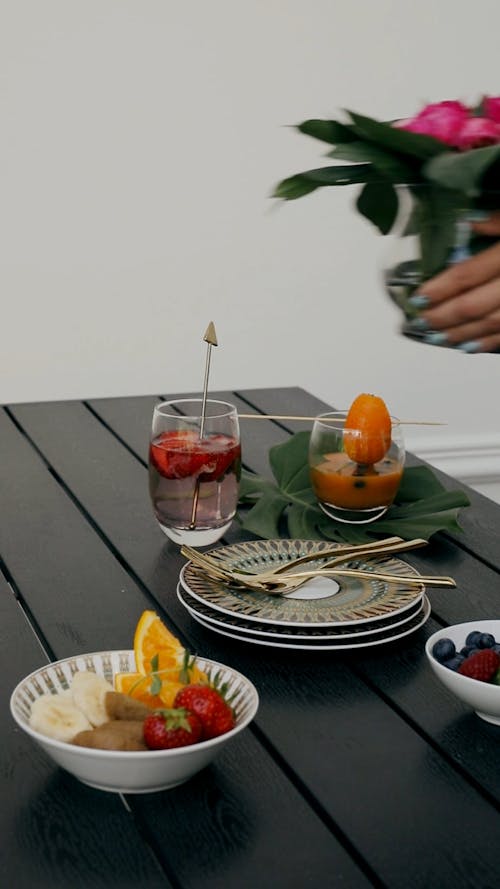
(213, 711)
(482, 665)
(175, 727)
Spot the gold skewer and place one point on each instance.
(210, 338)
(331, 419)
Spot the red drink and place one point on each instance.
(178, 461)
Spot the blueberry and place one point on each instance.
(473, 651)
(443, 650)
(497, 648)
(486, 640)
(473, 637)
(467, 649)
(454, 662)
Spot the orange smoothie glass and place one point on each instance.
(351, 491)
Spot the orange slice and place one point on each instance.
(367, 432)
(137, 685)
(152, 638)
(168, 692)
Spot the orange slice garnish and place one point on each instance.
(153, 640)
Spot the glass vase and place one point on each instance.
(432, 232)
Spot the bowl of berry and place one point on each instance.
(466, 658)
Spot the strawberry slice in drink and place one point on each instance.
(174, 454)
(181, 454)
(221, 452)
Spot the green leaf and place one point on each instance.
(264, 518)
(417, 483)
(289, 462)
(330, 131)
(252, 485)
(462, 171)
(156, 683)
(390, 165)
(288, 507)
(435, 214)
(303, 183)
(412, 144)
(421, 526)
(436, 503)
(378, 202)
(303, 522)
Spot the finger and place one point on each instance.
(461, 277)
(486, 344)
(473, 305)
(470, 337)
(489, 226)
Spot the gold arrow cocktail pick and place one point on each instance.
(210, 338)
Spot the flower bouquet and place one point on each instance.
(442, 166)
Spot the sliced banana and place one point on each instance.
(56, 716)
(89, 694)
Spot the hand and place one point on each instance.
(461, 306)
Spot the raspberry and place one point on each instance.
(482, 665)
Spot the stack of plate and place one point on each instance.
(325, 614)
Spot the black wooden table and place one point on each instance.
(359, 769)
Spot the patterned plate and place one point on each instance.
(239, 625)
(318, 603)
(364, 642)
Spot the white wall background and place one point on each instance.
(140, 142)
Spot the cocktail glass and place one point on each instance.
(194, 473)
(347, 489)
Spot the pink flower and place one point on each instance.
(442, 120)
(491, 107)
(477, 132)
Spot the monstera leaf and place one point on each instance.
(287, 506)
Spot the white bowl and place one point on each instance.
(483, 697)
(134, 771)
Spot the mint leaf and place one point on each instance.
(155, 687)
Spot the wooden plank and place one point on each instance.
(45, 808)
(235, 829)
(337, 697)
(55, 557)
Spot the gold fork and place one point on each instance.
(340, 553)
(270, 582)
(283, 584)
(286, 583)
